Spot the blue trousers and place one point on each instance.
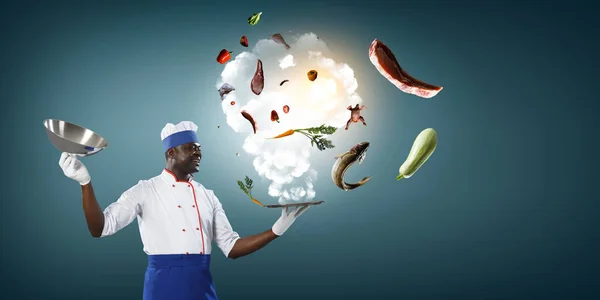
(179, 277)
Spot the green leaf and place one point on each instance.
(323, 144)
(253, 20)
(242, 187)
(322, 130)
(316, 136)
(328, 130)
(247, 188)
(248, 182)
(315, 130)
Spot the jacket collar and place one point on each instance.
(169, 177)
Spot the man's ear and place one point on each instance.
(170, 152)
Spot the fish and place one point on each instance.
(358, 154)
(277, 38)
(258, 81)
(225, 89)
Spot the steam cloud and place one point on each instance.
(285, 162)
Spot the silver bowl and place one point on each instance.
(74, 139)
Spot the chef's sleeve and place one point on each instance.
(121, 213)
(224, 235)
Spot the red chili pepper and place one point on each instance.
(274, 116)
(224, 56)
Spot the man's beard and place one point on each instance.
(192, 167)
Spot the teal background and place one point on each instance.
(506, 207)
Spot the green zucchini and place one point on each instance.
(421, 150)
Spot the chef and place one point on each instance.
(178, 218)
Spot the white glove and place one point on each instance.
(288, 216)
(74, 169)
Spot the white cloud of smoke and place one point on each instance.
(285, 162)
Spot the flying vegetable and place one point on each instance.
(224, 56)
(246, 186)
(315, 134)
(254, 18)
(274, 116)
(421, 150)
(312, 75)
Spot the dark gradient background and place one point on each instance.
(506, 208)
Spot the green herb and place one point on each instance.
(247, 187)
(315, 134)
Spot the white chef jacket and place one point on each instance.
(174, 217)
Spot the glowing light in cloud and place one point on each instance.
(286, 162)
(287, 62)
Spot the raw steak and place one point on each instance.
(258, 81)
(384, 60)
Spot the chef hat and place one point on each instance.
(175, 135)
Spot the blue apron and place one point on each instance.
(179, 277)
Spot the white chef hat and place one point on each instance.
(175, 135)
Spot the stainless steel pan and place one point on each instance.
(74, 139)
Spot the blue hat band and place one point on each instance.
(179, 138)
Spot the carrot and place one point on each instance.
(257, 202)
(315, 134)
(247, 189)
(287, 133)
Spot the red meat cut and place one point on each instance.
(384, 60)
(258, 81)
